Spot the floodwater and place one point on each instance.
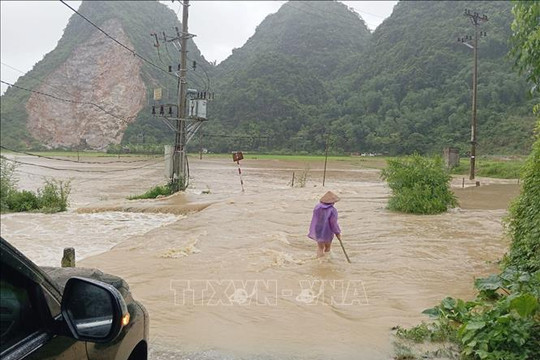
(227, 274)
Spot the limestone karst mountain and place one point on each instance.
(311, 70)
(91, 91)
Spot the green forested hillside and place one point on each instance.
(415, 82)
(312, 72)
(139, 19)
(316, 34)
(405, 88)
(274, 91)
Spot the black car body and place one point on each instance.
(67, 313)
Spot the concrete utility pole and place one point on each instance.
(191, 107)
(476, 20)
(179, 162)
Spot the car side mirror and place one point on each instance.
(94, 311)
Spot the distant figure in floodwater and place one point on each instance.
(324, 224)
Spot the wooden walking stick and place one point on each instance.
(347, 256)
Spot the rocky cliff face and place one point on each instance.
(102, 82)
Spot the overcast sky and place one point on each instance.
(31, 29)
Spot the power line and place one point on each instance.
(116, 41)
(79, 170)
(33, 77)
(73, 161)
(41, 80)
(206, 81)
(368, 13)
(70, 101)
(207, 87)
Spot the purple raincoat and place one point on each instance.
(324, 223)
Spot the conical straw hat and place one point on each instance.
(330, 198)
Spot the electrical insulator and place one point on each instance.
(170, 110)
(170, 68)
(178, 67)
(153, 110)
(194, 64)
(161, 111)
(204, 95)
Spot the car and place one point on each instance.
(67, 313)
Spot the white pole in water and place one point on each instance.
(240, 175)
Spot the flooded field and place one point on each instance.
(227, 274)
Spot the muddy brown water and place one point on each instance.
(226, 274)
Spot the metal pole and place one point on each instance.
(200, 145)
(325, 160)
(179, 165)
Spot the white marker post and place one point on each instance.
(237, 156)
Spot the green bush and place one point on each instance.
(8, 182)
(54, 195)
(160, 190)
(524, 218)
(22, 201)
(419, 185)
(501, 324)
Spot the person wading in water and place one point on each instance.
(324, 224)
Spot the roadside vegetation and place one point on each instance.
(502, 168)
(503, 322)
(420, 185)
(523, 223)
(53, 197)
(156, 191)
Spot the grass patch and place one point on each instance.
(492, 167)
(160, 190)
(372, 162)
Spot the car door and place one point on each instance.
(28, 309)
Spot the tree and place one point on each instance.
(524, 219)
(526, 42)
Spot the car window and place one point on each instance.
(18, 317)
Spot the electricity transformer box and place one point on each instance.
(197, 108)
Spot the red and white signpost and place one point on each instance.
(237, 156)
